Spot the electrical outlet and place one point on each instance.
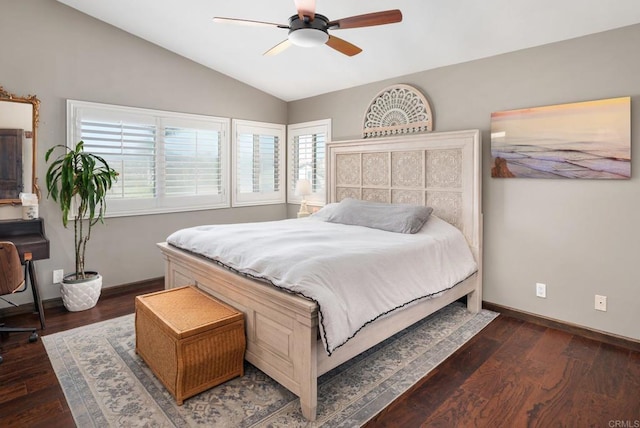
(601, 303)
(541, 290)
(58, 274)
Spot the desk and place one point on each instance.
(32, 244)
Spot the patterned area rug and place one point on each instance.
(107, 385)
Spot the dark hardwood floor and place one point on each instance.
(512, 374)
(518, 374)
(30, 395)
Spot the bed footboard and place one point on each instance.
(281, 328)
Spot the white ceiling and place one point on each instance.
(433, 33)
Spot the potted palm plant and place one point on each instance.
(79, 181)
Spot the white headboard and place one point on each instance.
(440, 169)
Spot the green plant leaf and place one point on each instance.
(84, 178)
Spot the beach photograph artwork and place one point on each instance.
(590, 140)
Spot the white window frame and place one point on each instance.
(239, 199)
(76, 110)
(317, 198)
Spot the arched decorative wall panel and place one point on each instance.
(398, 109)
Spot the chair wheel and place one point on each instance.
(33, 337)
(1, 359)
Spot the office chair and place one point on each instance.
(12, 280)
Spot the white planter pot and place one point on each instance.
(81, 294)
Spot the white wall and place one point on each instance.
(580, 237)
(56, 53)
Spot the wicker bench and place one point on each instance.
(190, 341)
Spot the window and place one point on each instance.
(307, 144)
(166, 161)
(258, 159)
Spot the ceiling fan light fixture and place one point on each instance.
(308, 32)
(309, 29)
(308, 37)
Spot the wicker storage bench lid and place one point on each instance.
(187, 311)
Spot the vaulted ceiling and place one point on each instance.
(433, 33)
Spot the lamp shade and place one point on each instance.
(303, 187)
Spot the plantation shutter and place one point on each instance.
(259, 163)
(192, 162)
(166, 161)
(307, 159)
(129, 148)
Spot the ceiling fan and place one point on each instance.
(309, 28)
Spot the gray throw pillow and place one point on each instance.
(399, 218)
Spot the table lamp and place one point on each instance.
(303, 188)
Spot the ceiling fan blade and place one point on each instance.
(306, 8)
(247, 22)
(367, 20)
(343, 46)
(278, 48)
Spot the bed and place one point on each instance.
(438, 170)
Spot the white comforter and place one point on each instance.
(354, 273)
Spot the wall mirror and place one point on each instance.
(18, 129)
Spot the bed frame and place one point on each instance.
(441, 170)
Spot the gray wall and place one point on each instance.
(579, 237)
(56, 53)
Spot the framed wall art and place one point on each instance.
(589, 140)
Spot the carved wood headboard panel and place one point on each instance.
(440, 170)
